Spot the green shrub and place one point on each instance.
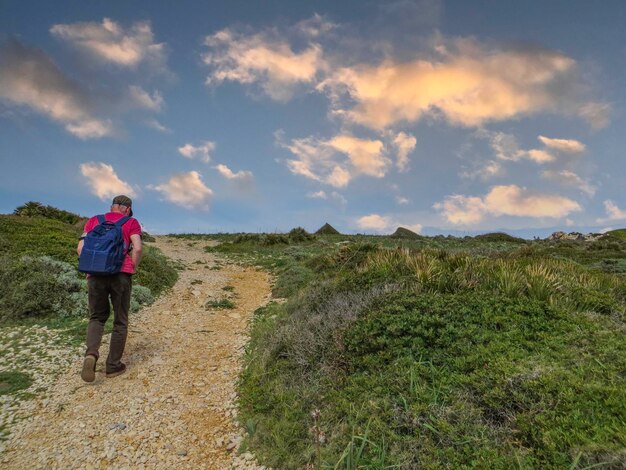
(156, 271)
(33, 209)
(38, 236)
(140, 296)
(299, 235)
(32, 287)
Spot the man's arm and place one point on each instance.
(81, 242)
(135, 254)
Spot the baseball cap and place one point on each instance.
(124, 201)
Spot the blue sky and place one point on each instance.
(444, 117)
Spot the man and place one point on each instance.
(117, 288)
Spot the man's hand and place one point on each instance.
(81, 242)
(135, 254)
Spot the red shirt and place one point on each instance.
(131, 227)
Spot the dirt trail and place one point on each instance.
(174, 408)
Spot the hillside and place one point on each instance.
(444, 353)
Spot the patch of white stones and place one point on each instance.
(42, 354)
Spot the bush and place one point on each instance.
(39, 286)
(32, 209)
(298, 235)
(155, 271)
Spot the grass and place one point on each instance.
(440, 352)
(12, 381)
(219, 304)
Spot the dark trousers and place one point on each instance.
(102, 288)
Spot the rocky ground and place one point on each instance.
(175, 406)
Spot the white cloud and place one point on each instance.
(405, 144)
(338, 197)
(382, 223)
(571, 179)
(153, 123)
(485, 171)
(366, 156)
(563, 145)
(510, 200)
(462, 210)
(104, 182)
(470, 86)
(261, 58)
(595, 113)
(540, 156)
(374, 222)
(516, 201)
(186, 190)
(29, 77)
(145, 100)
(202, 151)
(317, 195)
(338, 160)
(506, 148)
(613, 212)
(402, 200)
(110, 42)
(241, 176)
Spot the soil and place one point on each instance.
(175, 407)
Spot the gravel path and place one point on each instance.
(175, 407)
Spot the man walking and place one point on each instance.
(116, 287)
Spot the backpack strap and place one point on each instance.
(122, 221)
(101, 219)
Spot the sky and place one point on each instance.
(447, 117)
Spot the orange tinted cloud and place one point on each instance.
(510, 200)
(469, 86)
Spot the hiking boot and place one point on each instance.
(88, 374)
(121, 370)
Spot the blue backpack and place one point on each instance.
(103, 249)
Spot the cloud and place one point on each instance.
(506, 148)
(374, 222)
(405, 144)
(563, 145)
(571, 179)
(30, 78)
(366, 156)
(154, 124)
(462, 210)
(110, 42)
(402, 200)
(143, 99)
(539, 156)
(261, 58)
(519, 202)
(317, 195)
(382, 223)
(509, 200)
(484, 171)
(336, 161)
(104, 182)
(202, 151)
(470, 85)
(240, 176)
(186, 190)
(613, 212)
(595, 113)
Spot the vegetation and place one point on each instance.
(442, 352)
(11, 382)
(34, 209)
(38, 277)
